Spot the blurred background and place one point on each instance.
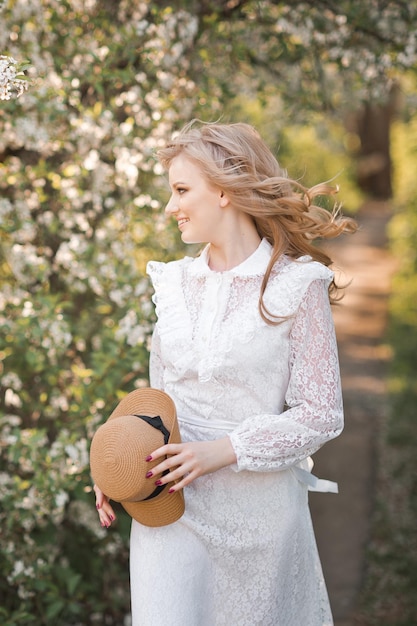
(89, 89)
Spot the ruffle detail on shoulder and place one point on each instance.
(172, 314)
(166, 280)
(289, 282)
(287, 286)
(164, 277)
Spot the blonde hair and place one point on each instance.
(234, 158)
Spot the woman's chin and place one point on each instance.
(189, 239)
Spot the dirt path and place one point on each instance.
(342, 521)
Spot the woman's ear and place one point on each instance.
(224, 200)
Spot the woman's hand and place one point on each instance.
(188, 461)
(105, 511)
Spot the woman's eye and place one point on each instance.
(180, 190)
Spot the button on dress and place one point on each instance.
(244, 552)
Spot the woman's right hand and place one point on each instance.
(104, 508)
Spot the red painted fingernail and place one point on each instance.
(149, 474)
(112, 518)
(158, 482)
(97, 506)
(171, 490)
(148, 458)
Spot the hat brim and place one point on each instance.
(165, 508)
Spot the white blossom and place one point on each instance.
(30, 134)
(6, 208)
(12, 399)
(84, 514)
(26, 263)
(28, 310)
(56, 333)
(91, 160)
(5, 481)
(121, 295)
(61, 498)
(11, 380)
(78, 455)
(131, 330)
(11, 420)
(11, 83)
(30, 501)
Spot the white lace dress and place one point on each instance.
(244, 553)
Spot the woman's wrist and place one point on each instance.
(226, 452)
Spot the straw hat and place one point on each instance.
(143, 421)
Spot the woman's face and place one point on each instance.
(196, 205)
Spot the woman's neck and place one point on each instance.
(232, 253)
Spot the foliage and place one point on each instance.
(388, 597)
(79, 208)
(320, 55)
(13, 81)
(318, 152)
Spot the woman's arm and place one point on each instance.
(315, 412)
(188, 461)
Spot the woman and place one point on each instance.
(245, 346)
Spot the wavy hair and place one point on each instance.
(234, 158)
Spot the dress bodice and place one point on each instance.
(274, 389)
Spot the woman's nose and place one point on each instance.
(171, 207)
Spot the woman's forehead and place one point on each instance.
(182, 168)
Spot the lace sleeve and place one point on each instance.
(156, 366)
(315, 411)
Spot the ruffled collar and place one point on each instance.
(254, 265)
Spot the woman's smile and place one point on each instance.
(182, 221)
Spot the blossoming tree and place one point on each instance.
(77, 224)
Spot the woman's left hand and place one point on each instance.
(188, 461)
(104, 508)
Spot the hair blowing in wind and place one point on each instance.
(234, 158)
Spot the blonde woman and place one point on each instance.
(245, 346)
